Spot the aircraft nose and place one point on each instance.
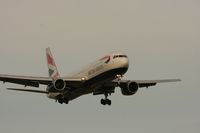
(125, 63)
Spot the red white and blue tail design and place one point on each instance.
(53, 71)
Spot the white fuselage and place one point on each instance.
(101, 66)
(109, 66)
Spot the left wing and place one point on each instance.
(110, 86)
(34, 81)
(145, 83)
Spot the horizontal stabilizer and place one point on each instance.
(27, 90)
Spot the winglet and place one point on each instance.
(53, 71)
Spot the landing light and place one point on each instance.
(83, 79)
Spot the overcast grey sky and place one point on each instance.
(161, 38)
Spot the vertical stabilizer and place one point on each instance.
(53, 71)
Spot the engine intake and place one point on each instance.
(59, 84)
(129, 88)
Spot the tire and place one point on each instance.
(103, 102)
(60, 101)
(66, 101)
(108, 102)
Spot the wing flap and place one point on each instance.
(146, 83)
(25, 80)
(157, 81)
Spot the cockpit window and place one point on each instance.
(119, 56)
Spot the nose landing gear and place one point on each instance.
(105, 101)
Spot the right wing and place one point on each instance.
(26, 80)
(27, 90)
(35, 81)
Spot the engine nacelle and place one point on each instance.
(59, 84)
(129, 88)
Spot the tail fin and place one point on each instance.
(53, 71)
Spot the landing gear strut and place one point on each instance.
(106, 101)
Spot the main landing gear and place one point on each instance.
(63, 100)
(106, 101)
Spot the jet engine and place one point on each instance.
(59, 84)
(129, 88)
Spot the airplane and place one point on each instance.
(99, 78)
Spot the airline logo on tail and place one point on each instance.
(53, 72)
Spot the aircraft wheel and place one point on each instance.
(60, 101)
(108, 102)
(66, 101)
(103, 102)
